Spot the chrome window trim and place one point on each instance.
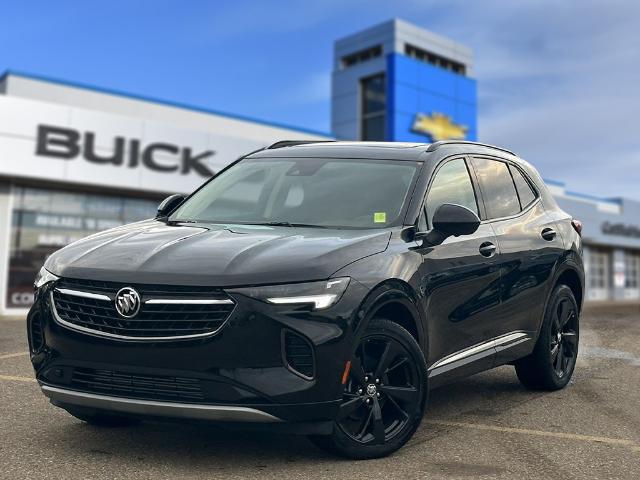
(78, 293)
(160, 301)
(154, 407)
(115, 336)
(511, 217)
(505, 341)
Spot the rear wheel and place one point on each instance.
(384, 397)
(553, 360)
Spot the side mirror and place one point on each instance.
(169, 204)
(450, 219)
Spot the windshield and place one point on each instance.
(304, 192)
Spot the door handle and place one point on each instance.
(548, 234)
(487, 249)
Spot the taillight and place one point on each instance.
(577, 226)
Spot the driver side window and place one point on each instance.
(451, 184)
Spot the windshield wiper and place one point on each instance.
(289, 224)
(183, 221)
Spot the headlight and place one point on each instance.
(43, 277)
(318, 294)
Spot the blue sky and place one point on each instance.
(558, 82)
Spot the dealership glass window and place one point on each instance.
(373, 107)
(45, 220)
(631, 269)
(361, 56)
(598, 268)
(428, 57)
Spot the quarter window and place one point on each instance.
(525, 192)
(499, 192)
(452, 184)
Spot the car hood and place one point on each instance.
(217, 255)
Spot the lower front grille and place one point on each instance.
(165, 313)
(298, 354)
(136, 386)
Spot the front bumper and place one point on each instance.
(131, 406)
(240, 372)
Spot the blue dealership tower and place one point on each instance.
(398, 82)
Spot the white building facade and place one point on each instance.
(76, 160)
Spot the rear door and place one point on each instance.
(529, 248)
(461, 284)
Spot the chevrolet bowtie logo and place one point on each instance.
(439, 127)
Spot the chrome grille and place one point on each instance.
(167, 312)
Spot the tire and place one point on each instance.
(103, 419)
(553, 360)
(370, 423)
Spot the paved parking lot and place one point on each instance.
(487, 426)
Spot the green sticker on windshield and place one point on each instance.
(380, 217)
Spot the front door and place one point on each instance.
(460, 279)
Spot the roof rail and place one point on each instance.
(436, 145)
(293, 143)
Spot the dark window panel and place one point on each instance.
(451, 184)
(361, 56)
(433, 59)
(525, 192)
(498, 189)
(373, 128)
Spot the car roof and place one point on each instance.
(338, 149)
(410, 151)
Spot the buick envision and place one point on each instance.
(319, 287)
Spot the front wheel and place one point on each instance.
(384, 396)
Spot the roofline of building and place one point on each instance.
(169, 103)
(617, 201)
(393, 21)
(585, 196)
(554, 182)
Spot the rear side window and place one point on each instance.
(525, 192)
(451, 184)
(498, 190)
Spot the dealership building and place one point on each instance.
(76, 159)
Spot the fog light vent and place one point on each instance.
(298, 354)
(36, 335)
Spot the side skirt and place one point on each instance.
(477, 358)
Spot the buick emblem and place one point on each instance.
(371, 390)
(127, 302)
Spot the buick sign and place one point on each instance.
(68, 144)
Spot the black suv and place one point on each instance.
(322, 287)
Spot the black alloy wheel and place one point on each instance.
(383, 388)
(564, 338)
(551, 364)
(384, 396)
